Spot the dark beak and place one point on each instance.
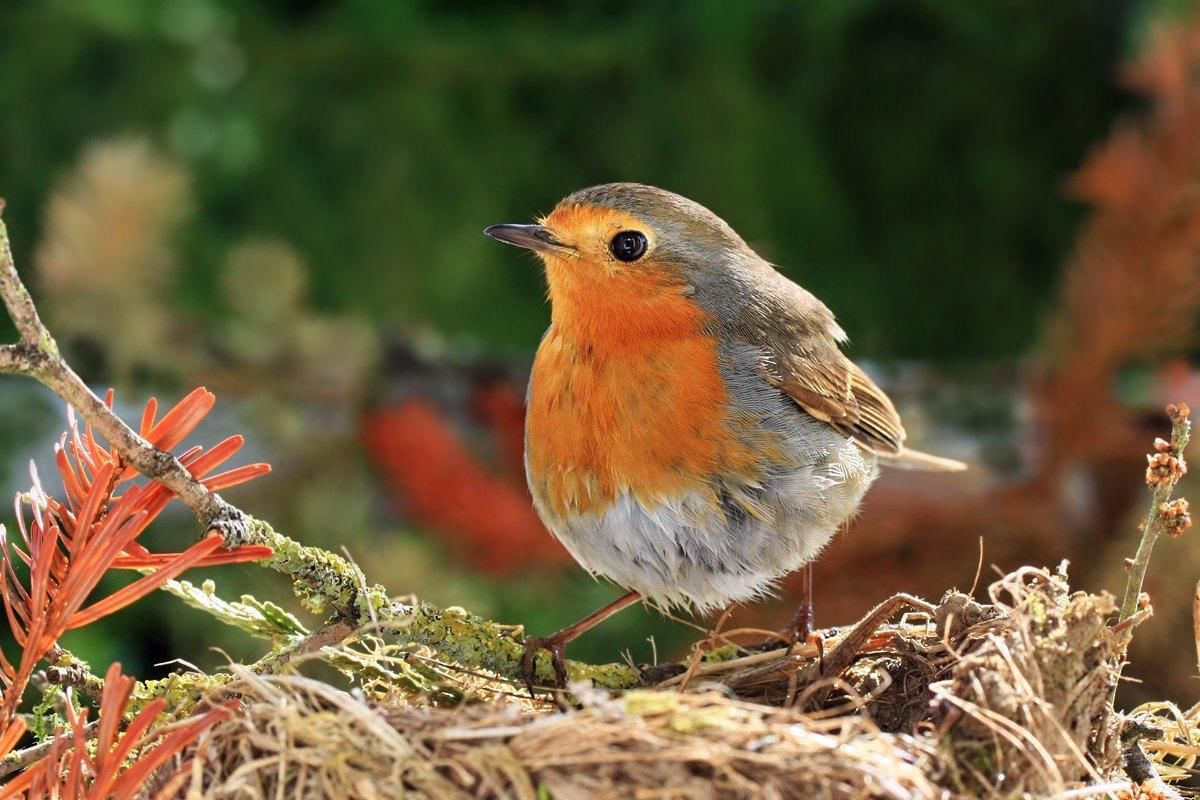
(531, 237)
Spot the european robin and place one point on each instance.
(694, 432)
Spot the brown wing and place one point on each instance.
(808, 365)
(842, 395)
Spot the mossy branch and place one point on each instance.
(477, 643)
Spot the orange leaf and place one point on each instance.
(148, 417)
(182, 419)
(202, 465)
(148, 583)
(236, 555)
(235, 476)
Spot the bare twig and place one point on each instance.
(37, 356)
(1196, 623)
(322, 579)
(20, 759)
(18, 301)
(12, 358)
(1166, 467)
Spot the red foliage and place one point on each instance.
(68, 546)
(502, 409)
(488, 518)
(1132, 288)
(71, 772)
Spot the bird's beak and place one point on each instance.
(532, 237)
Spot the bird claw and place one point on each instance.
(556, 647)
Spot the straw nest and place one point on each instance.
(961, 699)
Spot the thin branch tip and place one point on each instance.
(1165, 466)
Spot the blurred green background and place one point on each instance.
(284, 201)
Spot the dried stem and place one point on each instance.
(1156, 520)
(18, 760)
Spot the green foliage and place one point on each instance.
(902, 159)
(263, 619)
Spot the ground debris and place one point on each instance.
(1004, 699)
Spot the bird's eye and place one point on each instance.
(628, 245)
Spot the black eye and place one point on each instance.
(628, 245)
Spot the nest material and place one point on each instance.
(1006, 699)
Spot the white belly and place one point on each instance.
(689, 554)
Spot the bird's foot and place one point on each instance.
(555, 645)
(801, 631)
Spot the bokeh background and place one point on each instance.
(283, 202)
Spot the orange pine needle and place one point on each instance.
(148, 583)
(235, 476)
(182, 419)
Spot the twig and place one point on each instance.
(833, 663)
(1196, 622)
(19, 759)
(67, 669)
(1166, 467)
(37, 356)
(322, 580)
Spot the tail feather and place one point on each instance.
(923, 462)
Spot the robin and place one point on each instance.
(694, 432)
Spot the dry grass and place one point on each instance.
(1005, 699)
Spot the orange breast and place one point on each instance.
(626, 394)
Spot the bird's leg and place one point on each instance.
(802, 628)
(556, 643)
(802, 625)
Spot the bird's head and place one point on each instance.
(627, 252)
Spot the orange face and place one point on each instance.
(626, 392)
(600, 297)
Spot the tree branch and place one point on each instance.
(37, 355)
(18, 301)
(13, 359)
(20, 759)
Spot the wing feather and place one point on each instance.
(806, 363)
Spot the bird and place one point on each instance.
(694, 431)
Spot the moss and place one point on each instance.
(322, 580)
(182, 691)
(726, 652)
(477, 643)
